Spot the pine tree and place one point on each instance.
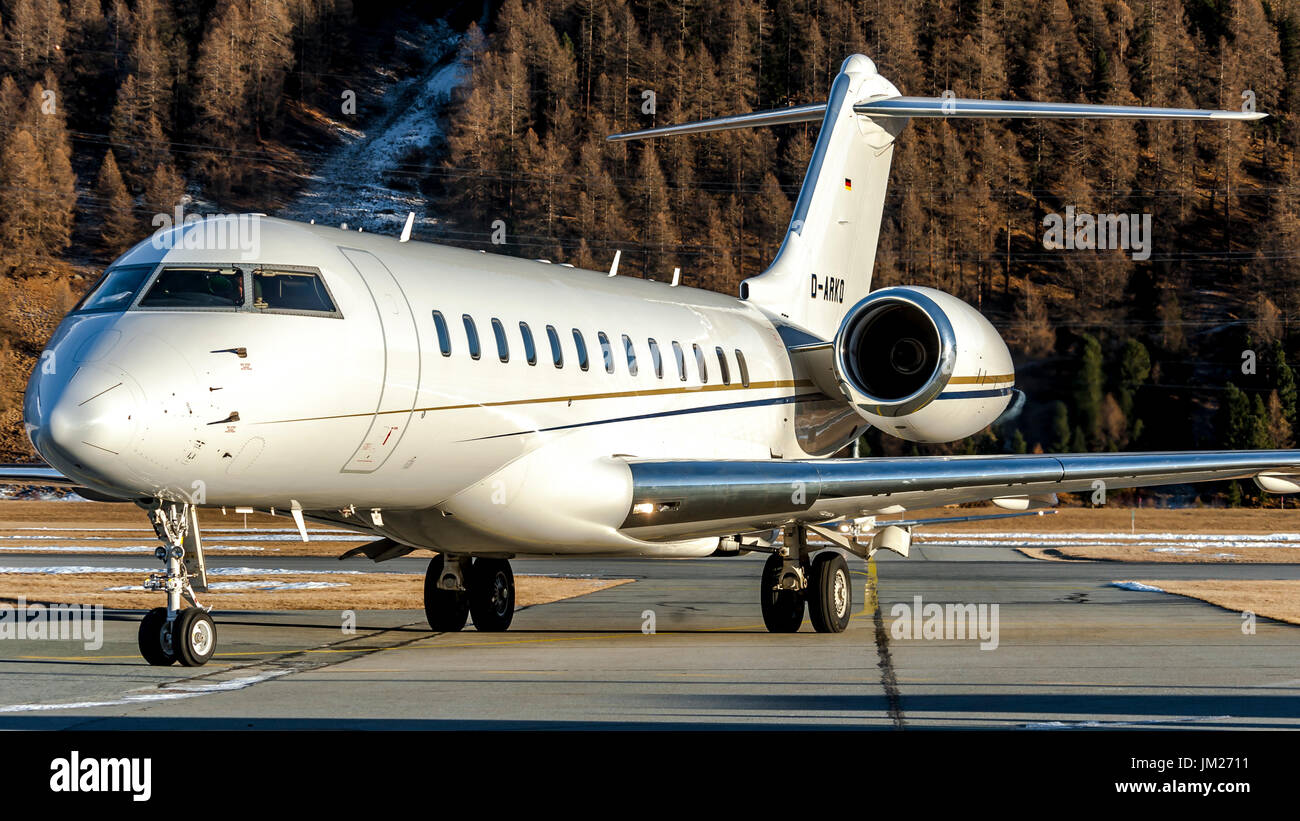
(1134, 370)
(164, 189)
(1277, 429)
(1018, 444)
(1235, 423)
(1087, 391)
(1061, 431)
(23, 199)
(119, 228)
(1284, 382)
(44, 119)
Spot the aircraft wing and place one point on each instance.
(40, 475)
(680, 499)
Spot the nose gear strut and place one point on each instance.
(171, 634)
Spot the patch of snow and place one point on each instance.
(174, 691)
(349, 185)
(1137, 586)
(261, 587)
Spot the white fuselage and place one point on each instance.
(362, 410)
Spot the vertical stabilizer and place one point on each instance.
(824, 265)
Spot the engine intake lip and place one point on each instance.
(941, 338)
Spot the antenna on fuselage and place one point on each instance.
(613, 269)
(406, 229)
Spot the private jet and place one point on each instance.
(485, 407)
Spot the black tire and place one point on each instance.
(829, 593)
(782, 609)
(194, 637)
(155, 639)
(446, 610)
(491, 595)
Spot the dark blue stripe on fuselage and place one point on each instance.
(755, 403)
(975, 394)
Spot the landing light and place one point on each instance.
(644, 508)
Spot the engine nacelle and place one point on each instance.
(922, 365)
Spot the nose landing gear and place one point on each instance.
(169, 634)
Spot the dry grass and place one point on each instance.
(365, 591)
(1275, 599)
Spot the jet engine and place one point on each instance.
(922, 365)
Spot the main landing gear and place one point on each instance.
(169, 634)
(456, 588)
(790, 581)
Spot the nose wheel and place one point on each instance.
(171, 634)
(190, 638)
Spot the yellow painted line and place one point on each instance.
(753, 386)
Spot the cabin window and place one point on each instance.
(655, 358)
(681, 361)
(581, 345)
(530, 350)
(471, 336)
(503, 347)
(115, 289)
(631, 354)
(275, 290)
(722, 367)
(744, 369)
(444, 335)
(701, 364)
(186, 287)
(556, 354)
(607, 351)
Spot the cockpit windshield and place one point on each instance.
(196, 288)
(213, 287)
(115, 289)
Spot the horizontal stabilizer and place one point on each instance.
(957, 107)
(813, 112)
(940, 107)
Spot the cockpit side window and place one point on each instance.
(291, 291)
(115, 289)
(196, 287)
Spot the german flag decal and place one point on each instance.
(848, 184)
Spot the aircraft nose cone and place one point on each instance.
(93, 421)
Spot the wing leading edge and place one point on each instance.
(36, 475)
(679, 499)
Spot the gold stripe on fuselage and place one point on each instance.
(982, 379)
(781, 383)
